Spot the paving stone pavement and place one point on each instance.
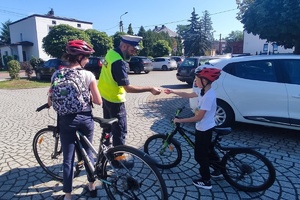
(22, 178)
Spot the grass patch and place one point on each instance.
(23, 83)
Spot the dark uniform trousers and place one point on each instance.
(119, 129)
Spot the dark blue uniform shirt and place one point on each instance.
(118, 70)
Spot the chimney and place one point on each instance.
(51, 13)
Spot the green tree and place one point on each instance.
(235, 36)
(276, 21)
(232, 39)
(100, 40)
(161, 48)
(5, 33)
(130, 30)
(54, 44)
(197, 35)
(142, 32)
(116, 38)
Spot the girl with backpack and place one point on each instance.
(71, 94)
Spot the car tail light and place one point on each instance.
(99, 63)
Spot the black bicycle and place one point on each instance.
(243, 167)
(137, 178)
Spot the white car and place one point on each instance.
(164, 63)
(262, 89)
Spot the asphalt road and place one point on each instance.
(22, 178)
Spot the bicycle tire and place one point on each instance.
(167, 159)
(43, 148)
(140, 181)
(248, 170)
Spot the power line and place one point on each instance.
(173, 22)
(12, 13)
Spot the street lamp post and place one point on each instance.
(121, 23)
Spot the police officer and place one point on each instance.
(114, 84)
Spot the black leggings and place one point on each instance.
(202, 149)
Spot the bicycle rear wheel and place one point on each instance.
(248, 170)
(48, 153)
(136, 178)
(165, 157)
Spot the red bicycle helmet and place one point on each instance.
(78, 47)
(210, 74)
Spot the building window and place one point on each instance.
(21, 37)
(53, 22)
(78, 25)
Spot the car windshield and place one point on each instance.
(189, 62)
(146, 60)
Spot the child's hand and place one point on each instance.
(168, 91)
(176, 120)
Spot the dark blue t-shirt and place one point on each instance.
(118, 70)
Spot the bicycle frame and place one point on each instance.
(181, 131)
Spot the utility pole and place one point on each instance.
(220, 45)
(121, 22)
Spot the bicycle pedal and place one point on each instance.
(80, 165)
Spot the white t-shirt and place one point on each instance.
(207, 102)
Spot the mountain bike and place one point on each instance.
(242, 167)
(140, 179)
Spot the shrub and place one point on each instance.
(14, 69)
(36, 62)
(6, 59)
(28, 68)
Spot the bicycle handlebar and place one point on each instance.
(179, 110)
(42, 107)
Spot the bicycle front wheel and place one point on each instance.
(248, 170)
(48, 153)
(131, 174)
(166, 155)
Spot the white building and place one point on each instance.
(27, 34)
(254, 45)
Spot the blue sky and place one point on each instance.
(105, 15)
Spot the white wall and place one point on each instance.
(253, 44)
(34, 29)
(44, 25)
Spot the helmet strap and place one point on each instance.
(79, 60)
(203, 88)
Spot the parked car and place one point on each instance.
(46, 69)
(164, 63)
(94, 65)
(261, 89)
(185, 71)
(137, 64)
(178, 59)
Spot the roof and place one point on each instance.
(163, 28)
(51, 17)
(23, 43)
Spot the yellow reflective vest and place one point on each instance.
(107, 86)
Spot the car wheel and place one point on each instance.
(224, 114)
(147, 72)
(38, 76)
(137, 70)
(165, 68)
